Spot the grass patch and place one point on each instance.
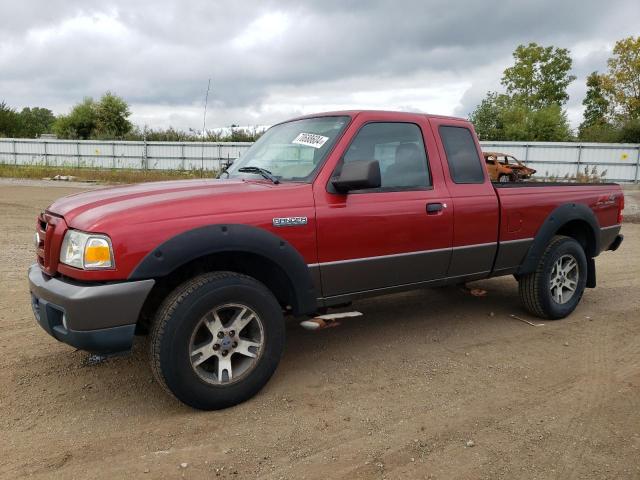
(102, 175)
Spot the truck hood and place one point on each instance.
(152, 202)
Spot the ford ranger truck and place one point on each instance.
(320, 211)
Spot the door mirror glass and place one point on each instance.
(358, 175)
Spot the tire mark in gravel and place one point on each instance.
(596, 363)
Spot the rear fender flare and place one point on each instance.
(550, 227)
(211, 239)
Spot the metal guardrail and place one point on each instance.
(621, 161)
(119, 154)
(551, 159)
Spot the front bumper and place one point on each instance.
(96, 318)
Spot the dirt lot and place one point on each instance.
(397, 393)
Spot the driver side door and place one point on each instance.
(399, 234)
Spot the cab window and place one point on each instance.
(398, 148)
(462, 155)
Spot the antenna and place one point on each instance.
(204, 128)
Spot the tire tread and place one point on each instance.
(529, 285)
(166, 310)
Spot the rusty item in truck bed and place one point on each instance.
(503, 167)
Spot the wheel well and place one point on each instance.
(582, 232)
(253, 265)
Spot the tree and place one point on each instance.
(596, 127)
(546, 124)
(500, 117)
(622, 81)
(487, 118)
(539, 76)
(36, 121)
(80, 123)
(112, 114)
(106, 119)
(9, 121)
(630, 131)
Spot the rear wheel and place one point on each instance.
(554, 290)
(217, 340)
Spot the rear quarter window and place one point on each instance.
(465, 165)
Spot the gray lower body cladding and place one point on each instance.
(510, 256)
(356, 275)
(609, 236)
(346, 280)
(97, 318)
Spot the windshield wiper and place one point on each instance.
(260, 171)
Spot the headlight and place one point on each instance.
(86, 250)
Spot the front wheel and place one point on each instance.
(554, 290)
(217, 340)
(504, 178)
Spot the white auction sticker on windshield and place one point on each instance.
(310, 140)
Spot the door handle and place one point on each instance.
(435, 208)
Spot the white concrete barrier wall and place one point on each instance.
(551, 159)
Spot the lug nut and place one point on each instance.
(232, 333)
(224, 353)
(220, 334)
(216, 347)
(234, 344)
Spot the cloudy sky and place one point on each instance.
(272, 60)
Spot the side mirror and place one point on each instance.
(358, 175)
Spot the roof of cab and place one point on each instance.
(354, 113)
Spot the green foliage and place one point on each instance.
(612, 104)
(600, 132)
(487, 117)
(540, 76)
(9, 121)
(523, 123)
(105, 120)
(36, 121)
(595, 126)
(172, 135)
(80, 123)
(623, 79)
(500, 117)
(112, 114)
(531, 110)
(104, 175)
(630, 131)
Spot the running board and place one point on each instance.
(327, 321)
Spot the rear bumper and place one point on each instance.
(96, 318)
(616, 242)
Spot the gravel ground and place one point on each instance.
(428, 384)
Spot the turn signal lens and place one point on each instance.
(86, 250)
(97, 253)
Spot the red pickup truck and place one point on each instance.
(321, 210)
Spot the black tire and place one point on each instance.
(535, 288)
(176, 324)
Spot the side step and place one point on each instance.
(327, 321)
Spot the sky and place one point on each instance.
(269, 61)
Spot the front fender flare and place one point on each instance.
(199, 242)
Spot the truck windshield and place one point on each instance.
(290, 151)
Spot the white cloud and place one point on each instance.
(270, 60)
(262, 31)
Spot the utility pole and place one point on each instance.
(204, 128)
